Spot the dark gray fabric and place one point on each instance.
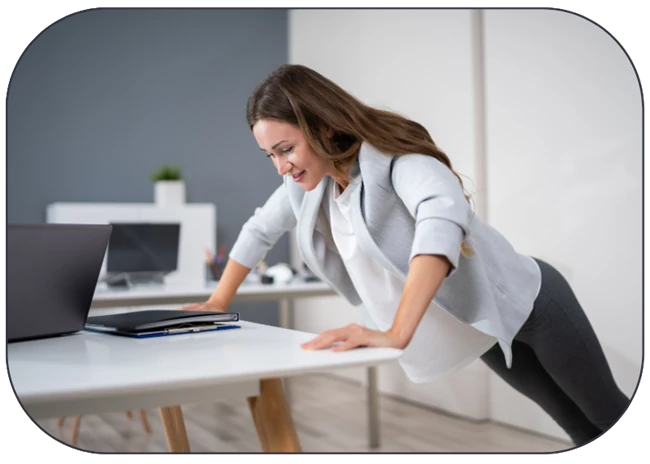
(559, 363)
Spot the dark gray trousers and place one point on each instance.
(559, 363)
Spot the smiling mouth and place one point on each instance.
(298, 175)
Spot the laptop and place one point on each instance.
(52, 272)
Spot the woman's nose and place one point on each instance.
(284, 166)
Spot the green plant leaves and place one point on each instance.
(167, 172)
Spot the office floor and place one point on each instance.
(330, 416)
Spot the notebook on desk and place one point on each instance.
(160, 322)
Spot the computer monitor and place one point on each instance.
(143, 248)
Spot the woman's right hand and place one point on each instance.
(205, 306)
(232, 277)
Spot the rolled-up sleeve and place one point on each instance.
(264, 228)
(434, 197)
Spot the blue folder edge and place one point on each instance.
(162, 334)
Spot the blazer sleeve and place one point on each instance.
(434, 197)
(264, 228)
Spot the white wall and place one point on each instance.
(417, 63)
(564, 152)
(563, 160)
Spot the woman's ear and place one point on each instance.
(326, 135)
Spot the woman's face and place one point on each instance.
(286, 145)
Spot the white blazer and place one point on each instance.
(406, 206)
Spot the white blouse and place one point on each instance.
(441, 343)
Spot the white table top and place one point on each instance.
(167, 293)
(91, 372)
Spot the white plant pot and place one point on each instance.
(169, 192)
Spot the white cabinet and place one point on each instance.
(198, 228)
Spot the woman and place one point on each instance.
(382, 217)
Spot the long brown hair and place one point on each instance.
(335, 123)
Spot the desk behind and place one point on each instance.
(181, 294)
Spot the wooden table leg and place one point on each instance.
(145, 421)
(75, 430)
(272, 418)
(172, 419)
(256, 413)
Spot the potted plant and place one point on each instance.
(169, 186)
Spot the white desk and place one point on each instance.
(89, 373)
(284, 293)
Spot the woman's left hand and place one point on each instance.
(353, 336)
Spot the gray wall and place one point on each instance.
(102, 98)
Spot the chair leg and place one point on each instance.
(77, 424)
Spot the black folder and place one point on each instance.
(160, 322)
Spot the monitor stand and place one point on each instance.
(132, 279)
